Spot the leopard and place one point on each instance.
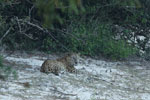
(65, 63)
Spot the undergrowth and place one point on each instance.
(87, 36)
(95, 38)
(6, 71)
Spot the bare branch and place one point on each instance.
(29, 36)
(30, 10)
(5, 35)
(23, 32)
(20, 30)
(37, 26)
(45, 31)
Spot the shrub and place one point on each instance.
(118, 49)
(95, 38)
(6, 71)
(49, 45)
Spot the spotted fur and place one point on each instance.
(65, 63)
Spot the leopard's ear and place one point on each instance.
(69, 53)
(79, 54)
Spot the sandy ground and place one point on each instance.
(96, 80)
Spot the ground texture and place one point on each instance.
(96, 80)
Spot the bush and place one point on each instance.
(6, 71)
(49, 45)
(95, 38)
(118, 49)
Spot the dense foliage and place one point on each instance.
(85, 26)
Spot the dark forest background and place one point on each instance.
(91, 27)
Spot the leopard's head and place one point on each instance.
(73, 58)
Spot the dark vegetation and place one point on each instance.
(86, 26)
(6, 71)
